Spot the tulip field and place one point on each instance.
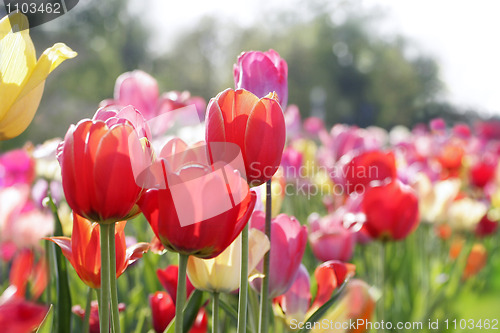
(164, 212)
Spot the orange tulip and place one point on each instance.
(83, 250)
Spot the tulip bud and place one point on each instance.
(262, 73)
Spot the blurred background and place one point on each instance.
(372, 62)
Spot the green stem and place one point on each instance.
(115, 316)
(50, 264)
(87, 311)
(242, 305)
(181, 293)
(62, 323)
(264, 291)
(105, 287)
(215, 313)
(381, 276)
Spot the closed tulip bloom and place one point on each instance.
(391, 211)
(329, 238)
(262, 73)
(169, 279)
(194, 202)
(83, 250)
(99, 162)
(464, 214)
(163, 311)
(360, 171)
(221, 274)
(329, 275)
(22, 77)
(288, 243)
(296, 301)
(240, 117)
(140, 89)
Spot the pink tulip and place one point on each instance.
(296, 301)
(262, 73)
(344, 139)
(16, 167)
(292, 121)
(288, 243)
(329, 238)
(140, 90)
(21, 223)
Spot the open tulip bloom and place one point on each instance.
(22, 77)
(83, 250)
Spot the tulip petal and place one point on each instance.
(65, 244)
(50, 59)
(17, 58)
(267, 123)
(20, 114)
(22, 77)
(136, 251)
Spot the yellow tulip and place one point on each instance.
(222, 273)
(308, 149)
(22, 77)
(278, 191)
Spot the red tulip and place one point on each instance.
(391, 211)
(330, 275)
(295, 303)
(168, 279)
(163, 311)
(368, 167)
(483, 171)
(262, 73)
(242, 118)
(83, 250)
(195, 201)
(98, 177)
(24, 270)
(486, 227)
(288, 243)
(20, 316)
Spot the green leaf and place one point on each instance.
(62, 318)
(231, 312)
(318, 314)
(46, 325)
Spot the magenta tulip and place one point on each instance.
(262, 73)
(288, 244)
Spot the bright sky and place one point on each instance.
(461, 35)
